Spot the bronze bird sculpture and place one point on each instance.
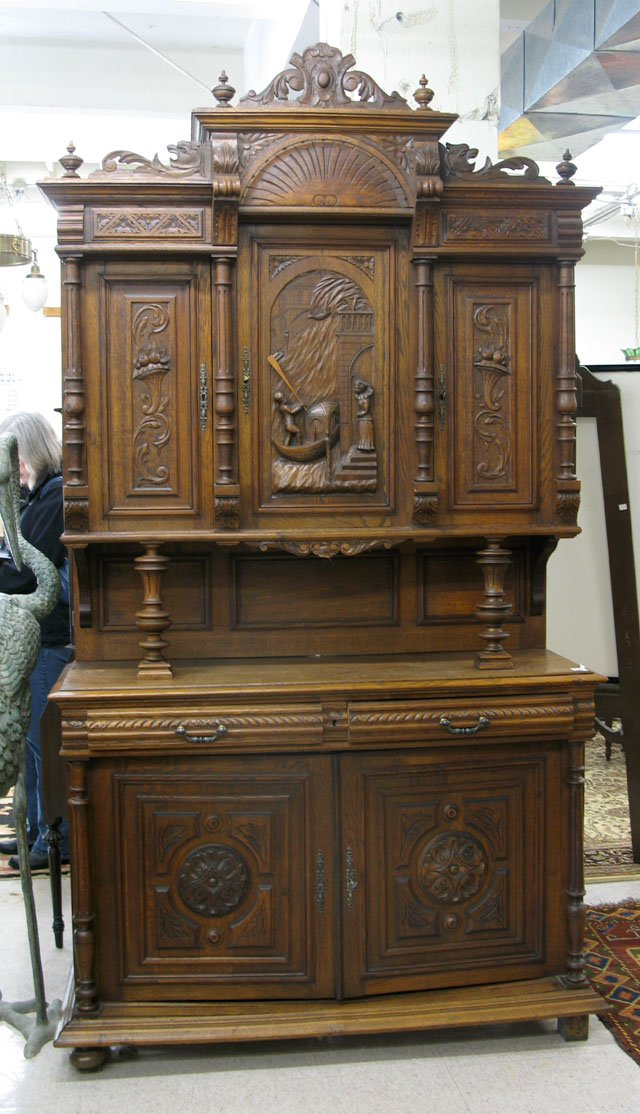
(19, 648)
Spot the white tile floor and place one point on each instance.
(519, 1069)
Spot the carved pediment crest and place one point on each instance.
(321, 76)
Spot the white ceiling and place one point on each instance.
(129, 78)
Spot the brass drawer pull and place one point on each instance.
(218, 731)
(444, 721)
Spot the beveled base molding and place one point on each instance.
(200, 1022)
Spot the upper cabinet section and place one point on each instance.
(318, 324)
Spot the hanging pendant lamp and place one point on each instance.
(34, 286)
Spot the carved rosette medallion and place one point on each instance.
(213, 880)
(451, 868)
(493, 443)
(151, 365)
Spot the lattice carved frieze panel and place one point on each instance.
(162, 223)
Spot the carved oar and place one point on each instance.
(278, 370)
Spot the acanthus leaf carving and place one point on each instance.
(327, 549)
(458, 162)
(252, 144)
(425, 508)
(322, 79)
(567, 506)
(151, 364)
(491, 359)
(187, 160)
(227, 511)
(76, 515)
(514, 226)
(401, 149)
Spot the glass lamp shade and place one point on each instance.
(35, 289)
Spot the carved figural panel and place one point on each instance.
(493, 367)
(325, 373)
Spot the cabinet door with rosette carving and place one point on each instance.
(321, 337)
(148, 383)
(450, 876)
(494, 357)
(224, 872)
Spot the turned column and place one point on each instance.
(152, 617)
(494, 607)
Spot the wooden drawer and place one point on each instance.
(422, 720)
(222, 729)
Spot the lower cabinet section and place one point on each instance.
(234, 876)
(345, 848)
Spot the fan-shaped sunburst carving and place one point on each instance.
(326, 174)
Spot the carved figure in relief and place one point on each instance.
(289, 412)
(366, 440)
(322, 425)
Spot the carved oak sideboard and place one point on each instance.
(319, 427)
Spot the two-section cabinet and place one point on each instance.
(319, 443)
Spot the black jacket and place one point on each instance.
(41, 522)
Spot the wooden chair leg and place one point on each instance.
(54, 839)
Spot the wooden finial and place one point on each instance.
(223, 92)
(566, 169)
(71, 162)
(424, 95)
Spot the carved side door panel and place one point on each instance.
(494, 395)
(147, 385)
(321, 341)
(445, 866)
(225, 879)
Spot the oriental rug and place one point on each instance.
(607, 830)
(612, 954)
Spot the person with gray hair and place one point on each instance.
(41, 522)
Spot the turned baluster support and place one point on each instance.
(494, 607)
(152, 617)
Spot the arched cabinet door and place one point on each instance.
(322, 363)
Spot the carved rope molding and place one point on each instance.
(233, 721)
(322, 79)
(496, 715)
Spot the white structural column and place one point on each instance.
(455, 43)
